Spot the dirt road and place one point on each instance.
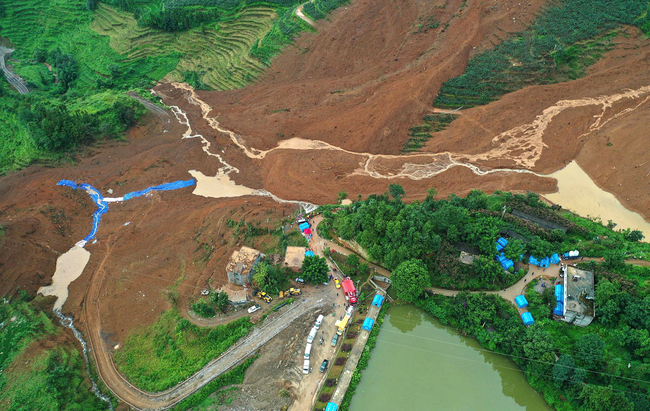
(139, 399)
(300, 14)
(14, 80)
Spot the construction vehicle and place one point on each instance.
(264, 296)
(293, 291)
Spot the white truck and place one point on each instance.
(312, 335)
(307, 351)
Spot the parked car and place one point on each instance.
(335, 339)
(324, 365)
(253, 309)
(337, 283)
(300, 280)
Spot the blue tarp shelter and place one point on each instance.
(505, 262)
(303, 226)
(501, 243)
(555, 259)
(527, 318)
(378, 300)
(533, 261)
(559, 292)
(521, 301)
(331, 407)
(367, 324)
(544, 263)
(559, 309)
(309, 253)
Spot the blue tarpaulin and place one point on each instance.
(367, 324)
(102, 206)
(559, 292)
(505, 262)
(303, 226)
(521, 301)
(501, 243)
(309, 253)
(331, 407)
(533, 261)
(163, 187)
(378, 300)
(544, 262)
(527, 318)
(555, 259)
(559, 309)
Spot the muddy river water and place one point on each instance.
(419, 364)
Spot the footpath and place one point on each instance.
(355, 355)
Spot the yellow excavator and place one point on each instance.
(290, 292)
(264, 296)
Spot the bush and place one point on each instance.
(346, 347)
(324, 397)
(330, 382)
(339, 361)
(352, 335)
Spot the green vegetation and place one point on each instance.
(434, 231)
(431, 123)
(201, 397)
(565, 39)
(206, 309)
(34, 377)
(562, 42)
(319, 9)
(79, 57)
(315, 269)
(158, 357)
(603, 366)
(271, 279)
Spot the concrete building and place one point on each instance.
(241, 265)
(236, 297)
(294, 258)
(579, 297)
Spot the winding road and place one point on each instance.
(13, 79)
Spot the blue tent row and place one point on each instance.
(559, 309)
(527, 318)
(309, 253)
(521, 301)
(331, 407)
(555, 259)
(367, 324)
(303, 226)
(378, 300)
(533, 261)
(505, 262)
(544, 262)
(163, 187)
(501, 243)
(559, 292)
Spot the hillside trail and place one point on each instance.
(523, 145)
(300, 14)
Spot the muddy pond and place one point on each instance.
(420, 364)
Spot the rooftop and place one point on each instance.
(294, 257)
(242, 260)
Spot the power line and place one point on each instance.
(509, 355)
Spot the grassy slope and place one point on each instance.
(34, 377)
(158, 357)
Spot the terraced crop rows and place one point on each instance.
(220, 51)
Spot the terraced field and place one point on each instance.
(220, 52)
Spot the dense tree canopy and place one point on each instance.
(409, 278)
(315, 269)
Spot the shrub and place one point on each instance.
(330, 382)
(339, 361)
(324, 397)
(346, 347)
(352, 335)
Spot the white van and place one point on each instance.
(312, 335)
(319, 321)
(307, 351)
(305, 367)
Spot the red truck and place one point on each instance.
(349, 290)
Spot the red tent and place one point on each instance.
(307, 231)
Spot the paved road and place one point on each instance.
(13, 79)
(143, 400)
(300, 14)
(162, 114)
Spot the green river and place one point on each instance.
(420, 364)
